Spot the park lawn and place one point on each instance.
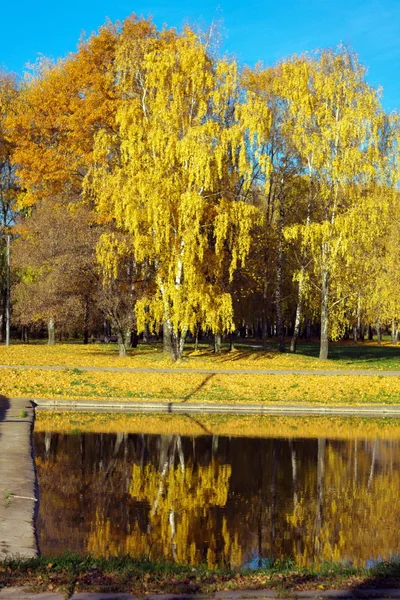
(282, 426)
(172, 386)
(252, 354)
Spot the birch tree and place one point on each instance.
(338, 119)
(179, 176)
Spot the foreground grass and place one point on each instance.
(196, 387)
(74, 383)
(70, 573)
(254, 354)
(222, 425)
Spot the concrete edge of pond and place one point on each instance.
(183, 407)
(18, 485)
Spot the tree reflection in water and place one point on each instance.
(223, 501)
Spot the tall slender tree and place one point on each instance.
(179, 176)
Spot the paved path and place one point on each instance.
(211, 371)
(17, 480)
(19, 594)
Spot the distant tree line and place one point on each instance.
(152, 185)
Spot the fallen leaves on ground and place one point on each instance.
(197, 387)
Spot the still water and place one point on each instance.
(220, 500)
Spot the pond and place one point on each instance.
(218, 499)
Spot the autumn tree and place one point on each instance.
(9, 189)
(60, 109)
(337, 134)
(58, 282)
(178, 175)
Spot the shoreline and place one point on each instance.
(366, 410)
(18, 485)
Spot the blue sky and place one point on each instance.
(256, 30)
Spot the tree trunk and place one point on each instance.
(121, 345)
(177, 341)
(167, 342)
(373, 460)
(182, 339)
(25, 334)
(278, 290)
(355, 469)
(319, 515)
(265, 327)
(378, 331)
(231, 342)
(394, 332)
(360, 333)
(324, 345)
(51, 332)
(217, 343)
(300, 295)
(174, 347)
(308, 330)
(134, 338)
(294, 474)
(86, 322)
(299, 314)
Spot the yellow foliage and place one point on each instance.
(183, 156)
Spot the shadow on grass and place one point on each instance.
(255, 355)
(352, 353)
(198, 388)
(347, 353)
(384, 575)
(111, 350)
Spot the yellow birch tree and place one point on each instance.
(178, 176)
(336, 128)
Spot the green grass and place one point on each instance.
(262, 354)
(361, 355)
(71, 573)
(348, 355)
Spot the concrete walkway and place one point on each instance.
(187, 407)
(211, 371)
(377, 594)
(17, 480)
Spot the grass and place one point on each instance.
(204, 388)
(8, 497)
(255, 354)
(70, 574)
(75, 383)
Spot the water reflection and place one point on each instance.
(224, 501)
